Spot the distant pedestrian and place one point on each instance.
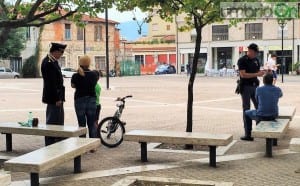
(249, 69)
(188, 69)
(271, 65)
(53, 89)
(84, 82)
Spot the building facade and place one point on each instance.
(159, 47)
(90, 40)
(223, 44)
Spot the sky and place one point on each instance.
(128, 27)
(115, 15)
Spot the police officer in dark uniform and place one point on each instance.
(249, 69)
(53, 90)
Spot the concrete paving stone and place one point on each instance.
(159, 102)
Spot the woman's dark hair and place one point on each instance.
(273, 55)
(97, 73)
(268, 79)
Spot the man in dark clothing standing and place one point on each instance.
(53, 90)
(249, 69)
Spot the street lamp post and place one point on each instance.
(177, 55)
(84, 41)
(107, 49)
(282, 23)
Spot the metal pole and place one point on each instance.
(107, 49)
(282, 26)
(124, 52)
(84, 41)
(177, 57)
(293, 48)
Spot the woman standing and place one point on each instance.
(84, 82)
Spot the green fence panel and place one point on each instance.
(130, 68)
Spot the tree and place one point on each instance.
(14, 43)
(197, 14)
(21, 13)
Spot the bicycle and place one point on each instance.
(111, 129)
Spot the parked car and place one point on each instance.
(6, 73)
(68, 72)
(165, 69)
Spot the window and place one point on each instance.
(285, 32)
(28, 33)
(62, 61)
(98, 32)
(154, 27)
(35, 33)
(67, 31)
(140, 59)
(100, 63)
(219, 32)
(1, 70)
(168, 27)
(78, 59)
(80, 32)
(8, 70)
(253, 31)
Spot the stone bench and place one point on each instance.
(295, 146)
(41, 130)
(5, 179)
(286, 112)
(52, 156)
(175, 137)
(271, 130)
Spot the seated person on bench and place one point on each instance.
(267, 97)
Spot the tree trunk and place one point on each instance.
(189, 126)
(4, 34)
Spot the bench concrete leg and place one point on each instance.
(34, 179)
(269, 144)
(212, 156)
(8, 142)
(144, 152)
(275, 142)
(77, 164)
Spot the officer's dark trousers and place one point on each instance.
(54, 116)
(247, 95)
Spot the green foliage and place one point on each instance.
(296, 67)
(14, 44)
(29, 69)
(200, 70)
(37, 13)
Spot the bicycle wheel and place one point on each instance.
(111, 131)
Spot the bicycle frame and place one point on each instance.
(112, 124)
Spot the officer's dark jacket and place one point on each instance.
(250, 66)
(53, 89)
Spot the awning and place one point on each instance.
(191, 50)
(279, 47)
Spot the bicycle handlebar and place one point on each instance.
(123, 99)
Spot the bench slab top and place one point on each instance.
(295, 144)
(271, 129)
(43, 130)
(177, 137)
(52, 155)
(286, 112)
(135, 180)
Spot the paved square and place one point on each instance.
(159, 102)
